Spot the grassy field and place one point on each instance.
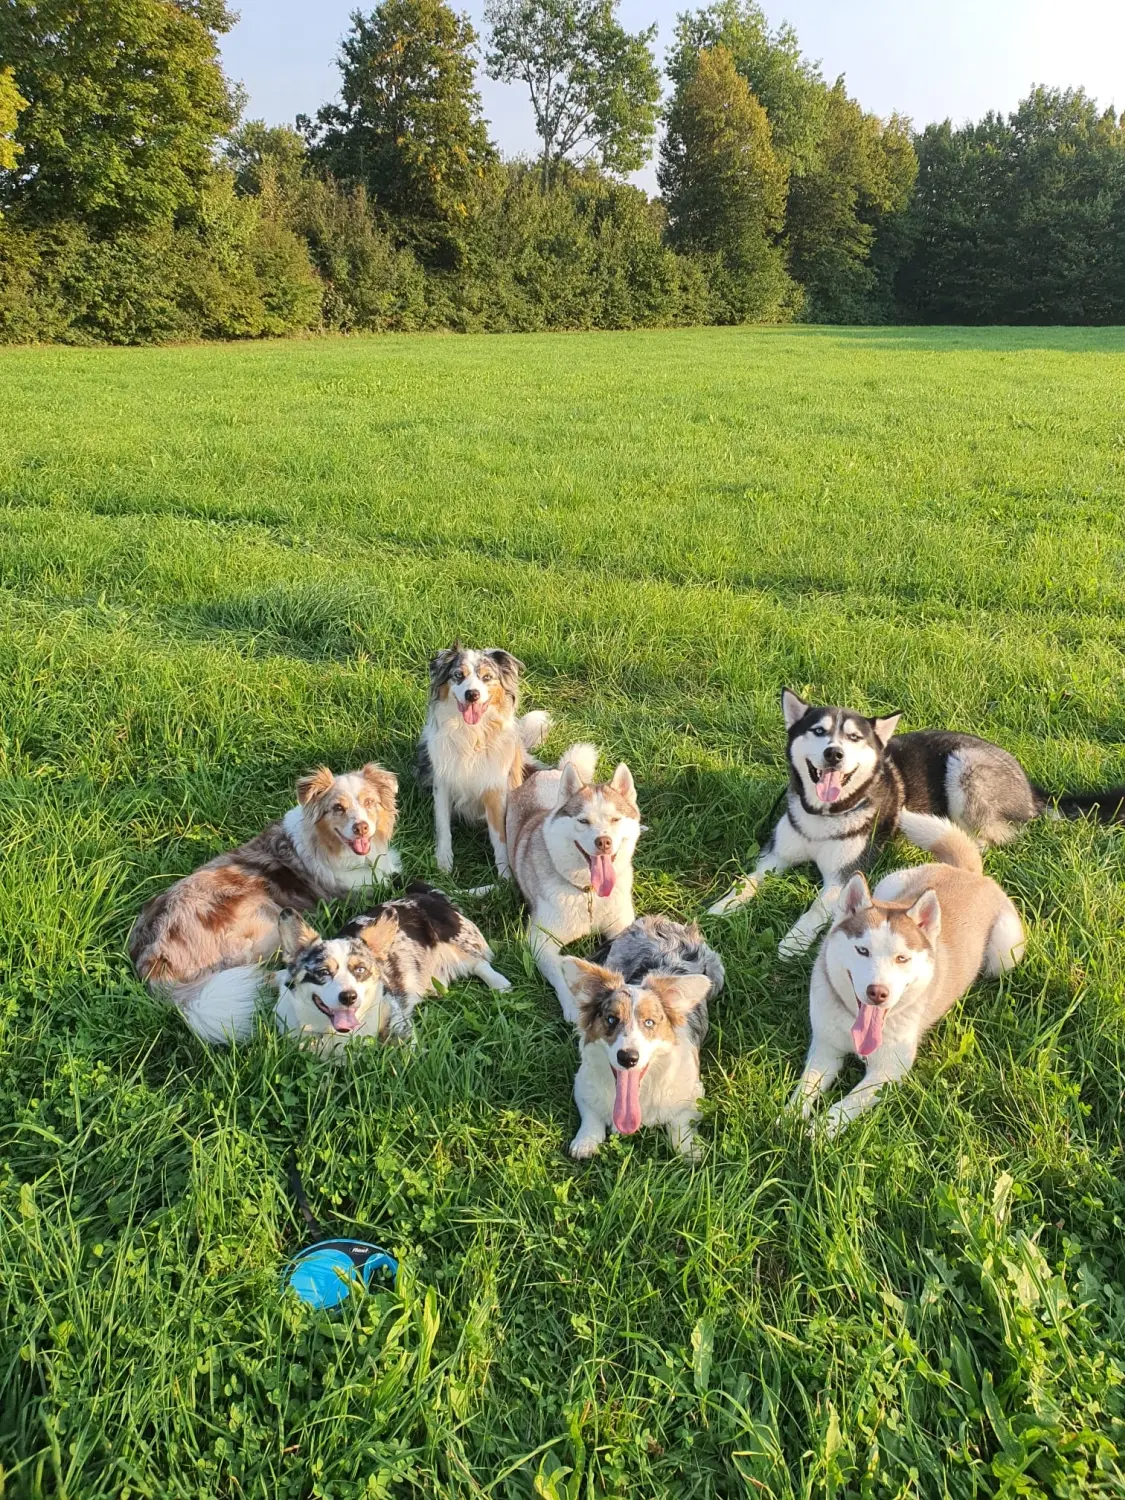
(224, 565)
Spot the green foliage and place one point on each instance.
(125, 101)
(409, 126)
(11, 103)
(223, 565)
(724, 187)
(1020, 220)
(594, 87)
(265, 156)
(862, 178)
(231, 274)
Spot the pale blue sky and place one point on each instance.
(925, 58)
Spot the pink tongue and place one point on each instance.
(829, 787)
(627, 1101)
(361, 846)
(603, 877)
(471, 712)
(867, 1033)
(344, 1020)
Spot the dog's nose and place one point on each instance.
(471, 695)
(603, 843)
(361, 827)
(348, 998)
(628, 1058)
(833, 755)
(878, 994)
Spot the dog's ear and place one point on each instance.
(296, 935)
(442, 661)
(569, 783)
(679, 994)
(591, 986)
(384, 783)
(792, 707)
(508, 668)
(854, 897)
(380, 934)
(884, 728)
(926, 914)
(314, 784)
(623, 784)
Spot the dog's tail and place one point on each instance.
(533, 729)
(221, 1007)
(941, 838)
(1107, 806)
(584, 758)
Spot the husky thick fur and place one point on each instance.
(850, 778)
(898, 959)
(202, 943)
(642, 1018)
(474, 749)
(366, 981)
(571, 844)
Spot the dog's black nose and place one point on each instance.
(471, 695)
(628, 1059)
(878, 994)
(347, 999)
(833, 755)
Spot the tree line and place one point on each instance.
(137, 206)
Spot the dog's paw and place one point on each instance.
(795, 942)
(443, 858)
(499, 982)
(582, 1147)
(689, 1147)
(737, 896)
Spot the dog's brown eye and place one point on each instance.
(339, 807)
(863, 952)
(901, 958)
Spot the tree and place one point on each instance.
(862, 173)
(12, 103)
(724, 185)
(789, 88)
(408, 126)
(125, 101)
(594, 88)
(259, 155)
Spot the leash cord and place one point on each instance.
(297, 1188)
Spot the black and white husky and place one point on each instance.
(850, 777)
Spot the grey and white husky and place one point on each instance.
(896, 960)
(850, 777)
(642, 1019)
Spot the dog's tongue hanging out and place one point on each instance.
(830, 785)
(627, 1100)
(603, 876)
(867, 1033)
(361, 845)
(472, 713)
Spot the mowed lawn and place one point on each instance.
(222, 566)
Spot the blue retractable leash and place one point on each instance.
(323, 1274)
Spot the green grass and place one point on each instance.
(223, 565)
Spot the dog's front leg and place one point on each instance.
(888, 1065)
(545, 946)
(682, 1136)
(821, 1070)
(495, 805)
(803, 933)
(443, 830)
(591, 1132)
(492, 977)
(771, 861)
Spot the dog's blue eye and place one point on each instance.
(585, 822)
(863, 952)
(649, 1025)
(819, 732)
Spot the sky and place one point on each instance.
(928, 59)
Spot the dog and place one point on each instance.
(366, 981)
(642, 1018)
(571, 844)
(897, 960)
(203, 942)
(850, 777)
(474, 750)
